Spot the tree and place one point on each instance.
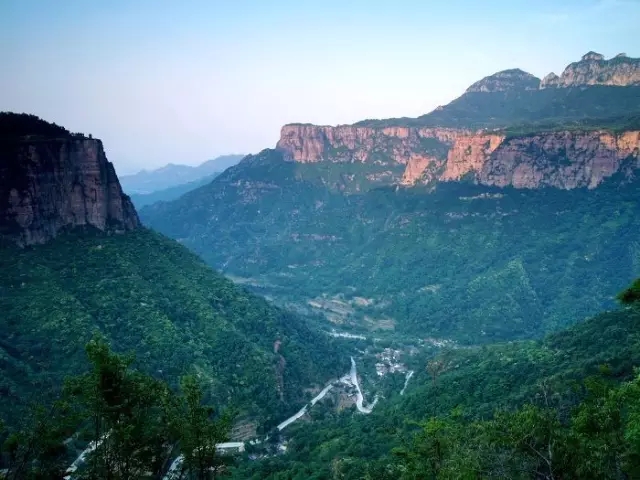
(37, 450)
(199, 432)
(127, 421)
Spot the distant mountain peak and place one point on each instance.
(174, 174)
(594, 69)
(512, 79)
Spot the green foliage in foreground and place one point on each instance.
(133, 421)
(149, 295)
(598, 439)
(483, 410)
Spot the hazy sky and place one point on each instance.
(183, 81)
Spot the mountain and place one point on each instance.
(593, 69)
(596, 91)
(53, 180)
(142, 199)
(504, 130)
(476, 234)
(462, 261)
(172, 175)
(72, 267)
(506, 80)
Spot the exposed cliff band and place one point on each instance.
(557, 159)
(52, 180)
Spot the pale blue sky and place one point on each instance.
(183, 81)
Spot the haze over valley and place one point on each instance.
(442, 282)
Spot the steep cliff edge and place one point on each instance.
(562, 159)
(52, 180)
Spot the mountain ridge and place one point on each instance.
(593, 69)
(172, 175)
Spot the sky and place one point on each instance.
(165, 81)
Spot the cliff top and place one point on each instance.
(86, 192)
(593, 57)
(20, 125)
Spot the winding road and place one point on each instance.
(353, 374)
(175, 468)
(406, 381)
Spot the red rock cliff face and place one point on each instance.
(347, 143)
(558, 159)
(563, 160)
(47, 185)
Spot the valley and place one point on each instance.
(454, 295)
(412, 226)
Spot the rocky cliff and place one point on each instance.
(52, 180)
(467, 139)
(593, 69)
(563, 159)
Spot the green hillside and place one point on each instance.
(149, 295)
(465, 262)
(483, 405)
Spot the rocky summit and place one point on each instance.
(514, 79)
(53, 180)
(593, 69)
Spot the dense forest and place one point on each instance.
(148, 295)
(473, 414)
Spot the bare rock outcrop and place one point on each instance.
(564, 159)
(49, 183)
(513, 79)
(593, 69)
